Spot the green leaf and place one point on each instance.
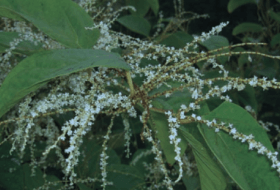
(161, 126)
(139, 79)
(210, 174)
(62, 20)
(243, 58)
(154, 6)
(140, 157)
(55, 183)
(246, 27)
(83, 186)
(174, 101)
(124, 177)
(141, 6)
(248, 97)
(38, 69)
(136, 24)
(191, 183)
(215, 42)
(234, 4)
(177, 40)
(246, 167)
(269, 68)
(275, 40)
(24, 47)
(273, 15)
(90, 167)
(17, 177)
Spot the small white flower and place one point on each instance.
(183, 106)
(250, 58)
(195, 94)
(232, 131)
(182, 115)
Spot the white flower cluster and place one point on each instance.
(25, 34)
(189, 167)
(261, 149)
(86, 94)
(147, 133)
(173, 126)
(104, 156)
(127, 135)
(138, 157)
(87, 103)
(267, 125)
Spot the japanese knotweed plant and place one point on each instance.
(66, 99)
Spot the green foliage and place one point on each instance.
(141, 7)
(125, 177)
(216, 42)
(24, 47)
(246, 27)
(90, 165)
(233, 155)
(168, 107)
(177, 40)
(154, 4)
(38, 69)
(275, 40)
(274, 15)
(210, 174)
(234, 4)
(63, 20)
(136, 24)
(161, 125)
(17, 176)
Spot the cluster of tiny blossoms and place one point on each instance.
(261, 149)
(25, 34)
(173, 125)
(73, 94)
(86, 105)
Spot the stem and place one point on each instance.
(130, 83)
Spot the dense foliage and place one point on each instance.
(98, 94)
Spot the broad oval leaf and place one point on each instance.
(275, 40)
(177, 40)
(275, 16)
(159, 120)
(62, 20)
(246, 27)
(247, 168)
(124, 177)
(163, 131)
(210, 174)
(83, 186)
(141, 6)
(234, 4)
(215, 42)
(90, 167)
(36, 70)
(20, 176)
(24, 47)
(154, 6)
(136, 24)
(174, 101)
(247, 97)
